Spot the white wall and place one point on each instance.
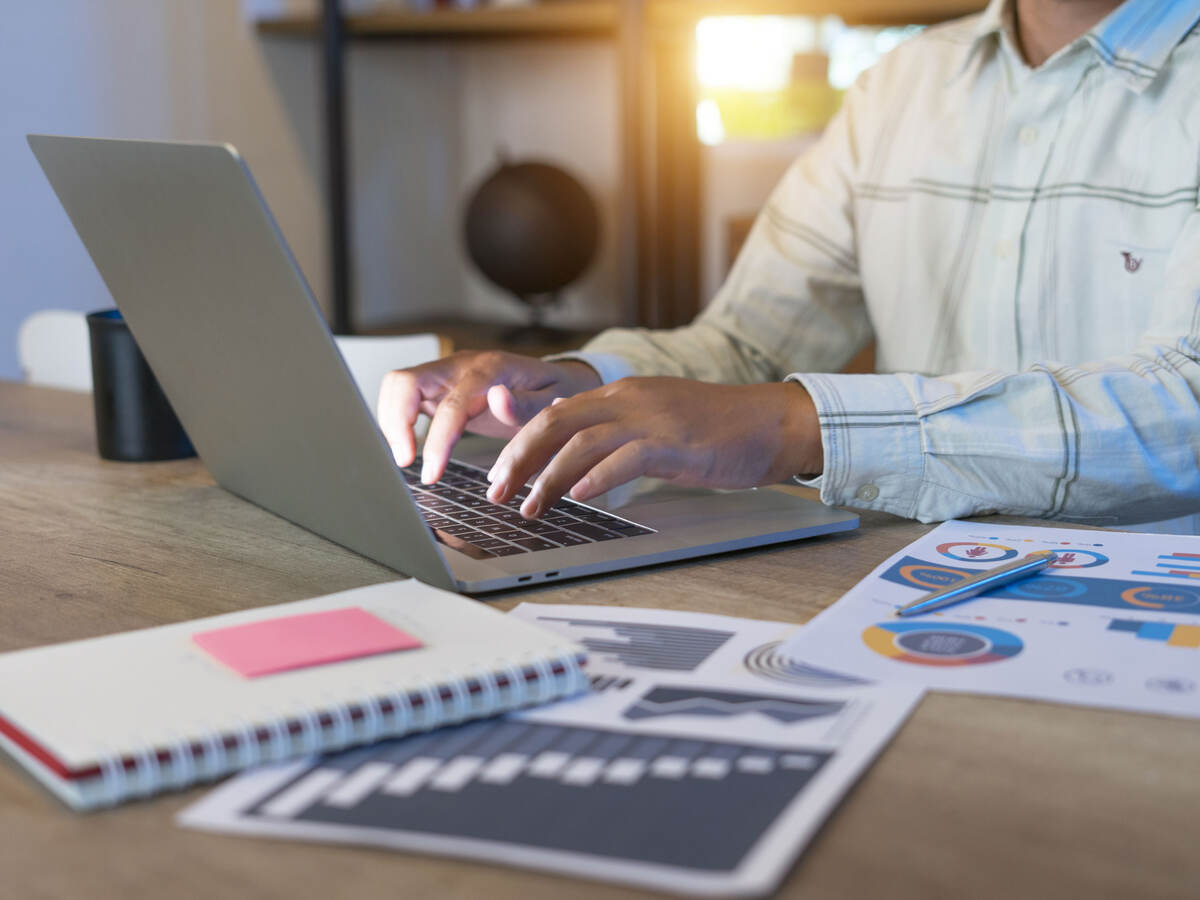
(425, 122)
(129, 68)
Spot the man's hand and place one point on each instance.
(689, 432)
(489, 393)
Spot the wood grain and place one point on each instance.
(977, 797)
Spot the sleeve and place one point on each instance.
(793, 299)
(1111, 441)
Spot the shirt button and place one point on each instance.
(867, 493)
(1028, 135)
(1004, 249)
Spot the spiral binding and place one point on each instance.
(122, 776)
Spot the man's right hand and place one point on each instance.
(487, 392)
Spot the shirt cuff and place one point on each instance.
(608, 366)
(871, 436)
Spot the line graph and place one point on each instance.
(673, 701)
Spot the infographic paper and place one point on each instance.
(1114, 621)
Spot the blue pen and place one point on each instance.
(977, 584)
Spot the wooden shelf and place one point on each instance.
(597, 18)
(673, 14)
(580, 18)
(476, 334)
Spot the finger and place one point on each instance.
(632, 460)
(542, 437)
(577, 457)
(515, 408)
(462, 403)
(398, 405)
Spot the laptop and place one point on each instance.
(195, 262)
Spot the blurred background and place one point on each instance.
(675, 116)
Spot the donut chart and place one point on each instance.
(976, 551)
(941, 644)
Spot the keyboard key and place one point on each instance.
(534, 543)
(628, 529)
(536, 527)
(495, 528)
(507, 550)
(511, 534)
(489, 543)
(566, 539)
(459, 530)
(590, 515)
(593, 531)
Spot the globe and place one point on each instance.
(531, 229)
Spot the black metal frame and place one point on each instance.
(333, 39)
(652, 235)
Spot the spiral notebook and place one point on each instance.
(108, 719)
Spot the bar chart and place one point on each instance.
(658, 799)
(640, 645)
(1175, 565)
(1171, 635)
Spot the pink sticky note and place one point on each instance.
(296, 642)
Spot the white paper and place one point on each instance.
(629, 641)
(702, 763)
(1115, 621)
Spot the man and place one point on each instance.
(1009, 204)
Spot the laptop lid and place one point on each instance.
(198, 267)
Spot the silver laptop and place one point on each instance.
(196, 264)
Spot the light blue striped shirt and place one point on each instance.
(1024, 247)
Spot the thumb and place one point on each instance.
(516, 408)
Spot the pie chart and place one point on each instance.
(938, 644)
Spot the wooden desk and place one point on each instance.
(976, 797)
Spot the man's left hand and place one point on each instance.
(689, 432)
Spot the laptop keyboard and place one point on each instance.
(458, 511)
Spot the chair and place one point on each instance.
(54, 351)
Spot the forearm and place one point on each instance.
(1109, 442)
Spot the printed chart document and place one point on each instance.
(702, 763)
(1114, 621)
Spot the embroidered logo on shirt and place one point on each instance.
(1132, 263)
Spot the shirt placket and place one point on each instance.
(1018, 240)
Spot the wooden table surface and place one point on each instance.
(976, 797)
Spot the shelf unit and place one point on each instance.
(659, 203)
(563, 18)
